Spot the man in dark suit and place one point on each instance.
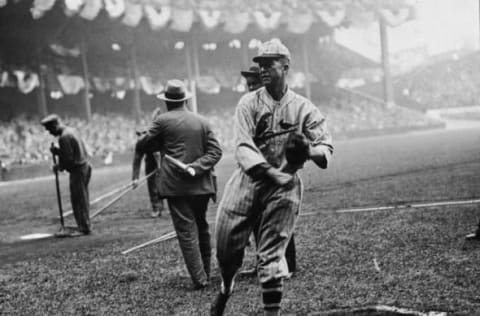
(187, 137)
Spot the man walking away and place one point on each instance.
(189, 138)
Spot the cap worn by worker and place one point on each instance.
(175, 92)
(272, 49)
(253, 71)
(50, 119)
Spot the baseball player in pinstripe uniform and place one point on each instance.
(266, 190)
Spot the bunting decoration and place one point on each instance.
(71, 84)
(157, 18)
(63, 51)
(91, 9)
(115, 8)
(332, 18)
(182, 20)
(236, 22)
(26, 82)
(39, 7)
(133, 14)
(209, 18)
(299, 23)
(298, 16)
(151, 86)
(267, 21)
(395, 18)
(73, 6)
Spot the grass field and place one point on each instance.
(410, 258)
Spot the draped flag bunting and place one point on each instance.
(71, 84)
(101, 84)
(39, 7)
(236, 22)
(150, 85)
(26, 82)
(298, 18)
(133, 14)
(73, 6)
(182, 20)
(299, 23)
(267, 22)
(63, 51)
(115, 8)
(6, 80)
(332, 18)
(209, 18)
(157, 18)
(396, 18)
(91, 9)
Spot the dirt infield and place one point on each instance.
(414, 259)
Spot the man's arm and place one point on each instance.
(212, 155)
(247, 153)
(315, 129)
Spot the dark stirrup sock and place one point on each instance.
(272, 294)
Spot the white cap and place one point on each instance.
(272, 49)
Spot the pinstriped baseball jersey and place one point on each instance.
(262, 126)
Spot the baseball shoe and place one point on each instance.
(474, 236)
(219, 303)
(156, 214)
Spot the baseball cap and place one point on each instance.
(253, 71)
(272, 49)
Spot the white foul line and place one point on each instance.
(400, 206)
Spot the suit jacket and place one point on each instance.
(189, 138)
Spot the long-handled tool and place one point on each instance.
(126, 189)
(102, 197)
(57, 184)
(151, 242)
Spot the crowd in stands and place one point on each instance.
(453, 82)
(24, 140)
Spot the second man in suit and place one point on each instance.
(187, 137)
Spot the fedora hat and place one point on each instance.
(175, 92)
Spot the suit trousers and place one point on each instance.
(189, 219)
(79, 196)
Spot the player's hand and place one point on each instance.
(134, 183)
(279, 177)
(55, 168)
(190, 170)
(290, 168)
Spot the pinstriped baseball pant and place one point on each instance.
(246, 203)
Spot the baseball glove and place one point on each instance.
(297, 149)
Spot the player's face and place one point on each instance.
(253, 83)
(271, 71)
